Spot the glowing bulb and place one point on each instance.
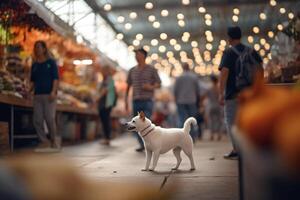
(156, 24)
(291, 15)
(273, 2)
(181, 23)
(256, 29)
(128, 26)
(173, 42)
(120, 36)
(282, 10)
(223, 42)
(149, 5)
(235, 18)
(236, 11)
(202, 9)
(262, 41)
(262, 16)
(177, 47)
(121, 19)
(151, 18)
(280, 27)
(107, 7)
(162, 48)
(133, 15)
(209, 46)
(163, 36)
(180, 16)
(146, 47)
(185, 2)
(250, 39)
(164, 13)
(154, 42)
(271, 34)
(194, 44)
(136, 42)
(208, 22)
(256, 47)
(139, 36)
(207, 16)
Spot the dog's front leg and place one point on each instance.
(155, 159)
(148, 158)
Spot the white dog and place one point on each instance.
(159, 140)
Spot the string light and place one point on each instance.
(202, 9)
(107, 7)
(273, 2)
(282, 10)
(156, 24)
(162, 49)
(291, 15)
(180, 16)
(136, 42)
(280, 27)
(185, 2)
(149, 5)
(173, 41)
(271, 34)
(139, 36)
(128, 26)
(151, 18)
(120, 36)
(194, 44)
(163, 36)
(121, 19)
(235, 18)
(262, 16)
(164, 13)
(133, 15)
(154, 42)
(181, 23)
(250, 39)
(256, 29)
(236, 11)
(262, 41)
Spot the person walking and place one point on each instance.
(106, 102)
(186, 93)
(143, 79)
(214, 110)
(230, 87)
(44, 81)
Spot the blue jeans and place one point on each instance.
(142, 105)
(185, 111)
(230, 110)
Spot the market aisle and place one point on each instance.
(214, 179)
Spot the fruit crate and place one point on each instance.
(262, 175)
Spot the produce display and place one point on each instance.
(270, 118)
(81, 96)
(12, 85)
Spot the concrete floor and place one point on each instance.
(214, 179)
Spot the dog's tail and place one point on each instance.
(187, 124)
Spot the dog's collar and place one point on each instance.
(148, 131)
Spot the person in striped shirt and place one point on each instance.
(143, 79)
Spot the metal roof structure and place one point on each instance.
(175, 31)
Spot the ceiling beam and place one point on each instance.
(207, 4)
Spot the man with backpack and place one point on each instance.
(239, 65)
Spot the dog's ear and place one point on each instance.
(142, 115)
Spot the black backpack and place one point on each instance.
(246, 67)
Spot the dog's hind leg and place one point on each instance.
(176, 152)
(155, 159)
(189, 154)
(148, 158)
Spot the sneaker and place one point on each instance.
(141, 149)
(231, 156)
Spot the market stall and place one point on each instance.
(79, 71)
